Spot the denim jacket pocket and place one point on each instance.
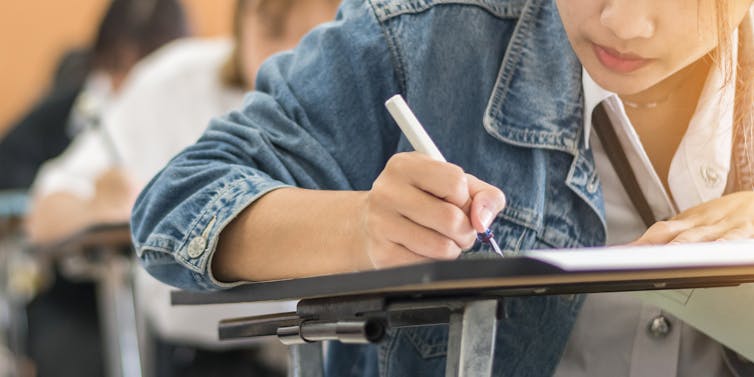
(414, 351)
(429, 341)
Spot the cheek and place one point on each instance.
(693, 28)
(576, 12)
(688, 42)
(581, 21)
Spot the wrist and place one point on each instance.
(358, 228)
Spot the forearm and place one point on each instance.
(293, 232)
(55, 216)
(60, 214)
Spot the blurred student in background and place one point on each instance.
(63, 336)
(84, 80)
(164, 106)
(96, 179)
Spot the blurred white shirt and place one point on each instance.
(165, 104)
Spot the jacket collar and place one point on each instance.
(537, 100)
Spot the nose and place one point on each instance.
(628, 19)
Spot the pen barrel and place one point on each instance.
(412, 128)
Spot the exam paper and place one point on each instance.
(671, 256)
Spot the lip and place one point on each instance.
(619, 62)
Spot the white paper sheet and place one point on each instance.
(622, 257)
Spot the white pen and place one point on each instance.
(422, 143)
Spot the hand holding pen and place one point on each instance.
(422, 208)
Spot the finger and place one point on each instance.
(441, 179)
(436, 214)
(700, 234)
(662, 232)
(487, 202)
(736, 234)
(420, 240)
(395, 255)
(711, 212)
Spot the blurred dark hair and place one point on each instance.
(140, 25)
(71, 71)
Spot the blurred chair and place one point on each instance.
(19, 281)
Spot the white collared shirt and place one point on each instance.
(610, 336)
(165, 104)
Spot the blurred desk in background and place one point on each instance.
(18, 276)
(103, 254)
(13, 207)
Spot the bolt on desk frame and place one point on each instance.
(465, 294)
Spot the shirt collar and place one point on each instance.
(593, 96)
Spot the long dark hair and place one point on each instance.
(142, 25)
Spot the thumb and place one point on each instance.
(486, 202)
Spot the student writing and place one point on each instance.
(309, 176)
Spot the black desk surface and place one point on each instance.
(500, 277)
(101, 235)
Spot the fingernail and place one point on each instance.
(485, 217)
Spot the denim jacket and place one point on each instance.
(498, 88)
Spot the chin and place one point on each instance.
(619, 83)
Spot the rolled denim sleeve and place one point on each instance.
(311, 110)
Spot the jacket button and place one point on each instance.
(659, 327)
(196, 247)
(591, 187)
(711, 176)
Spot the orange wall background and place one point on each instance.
(34, 34)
